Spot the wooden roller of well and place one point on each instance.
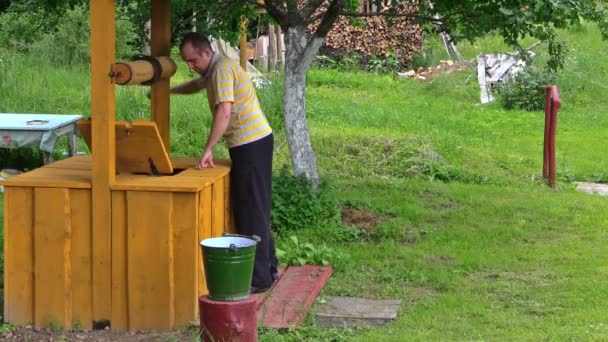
(145, 70)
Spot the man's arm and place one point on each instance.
(220, 124)
(190, 87)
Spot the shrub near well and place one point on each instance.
(526, 91)
(297, 204)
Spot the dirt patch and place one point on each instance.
(440, 260)
(361, 219)
(23, 334)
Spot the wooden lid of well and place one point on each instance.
(139, 148)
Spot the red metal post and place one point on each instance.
(546, 137)
(552, 105)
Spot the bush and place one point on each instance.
(70, 42)
(271, 100)
(20, 158)
(18, 30)
(296, 204)
(340, 62)
(383, 64)
(298, 253)
(526, 90)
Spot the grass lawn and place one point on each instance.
(492, 263)
(471, 241)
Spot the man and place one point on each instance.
(238, 118)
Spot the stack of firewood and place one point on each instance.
(376, 38)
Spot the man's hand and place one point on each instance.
(206, 160)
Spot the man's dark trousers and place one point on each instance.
(251, 195)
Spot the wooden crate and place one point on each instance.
(157, 223)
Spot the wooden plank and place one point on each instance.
(137, 144)
(228, 218)
(52, 262)
(75, 163)
(214, 173)
(356, 312)
(103, 112)
(53, 178)
(243, 44)
(291, 297)
(162, 183)
(18, 255)
(150, 260)
(82, 259)
(84, 127)
(181, 163)
(120, 309)
(204, 232)
(189, 180)
(160, 45)
(185, 219)
(217, 208)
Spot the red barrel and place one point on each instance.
(228, 321)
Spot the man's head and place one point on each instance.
(195, 50)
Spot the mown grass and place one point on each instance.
(493, 262)
(476, 246)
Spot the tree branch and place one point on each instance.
(314, 43)
(274, 8)
(311, 8)
(293, 17)
(432, 19)
(330, 17)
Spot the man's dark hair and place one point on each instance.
(198, 41)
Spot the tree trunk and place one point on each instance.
(296, 128)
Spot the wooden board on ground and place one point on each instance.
(138, 147)
(292, 296)
(343, 312)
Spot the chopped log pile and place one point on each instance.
(427, 74)
(375, 38)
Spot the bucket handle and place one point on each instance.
(254, 237)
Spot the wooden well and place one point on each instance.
(153, 254)
(89, 241)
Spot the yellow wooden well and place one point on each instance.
(86, 245)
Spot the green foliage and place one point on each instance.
(384, 65)
(270, 96)
(18, 30)
(70, 41)
(526, 90)
(218, 19)
(297, 204)
(20, 158)
(297, 253)
(6, 327)
(429, 54)
(339, 62)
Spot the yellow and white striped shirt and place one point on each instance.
(226, 81)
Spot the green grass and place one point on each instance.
(476, 246)
(494, 263)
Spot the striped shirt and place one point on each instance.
(227, 82)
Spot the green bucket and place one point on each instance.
(228, 265)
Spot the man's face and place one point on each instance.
(196, 60)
